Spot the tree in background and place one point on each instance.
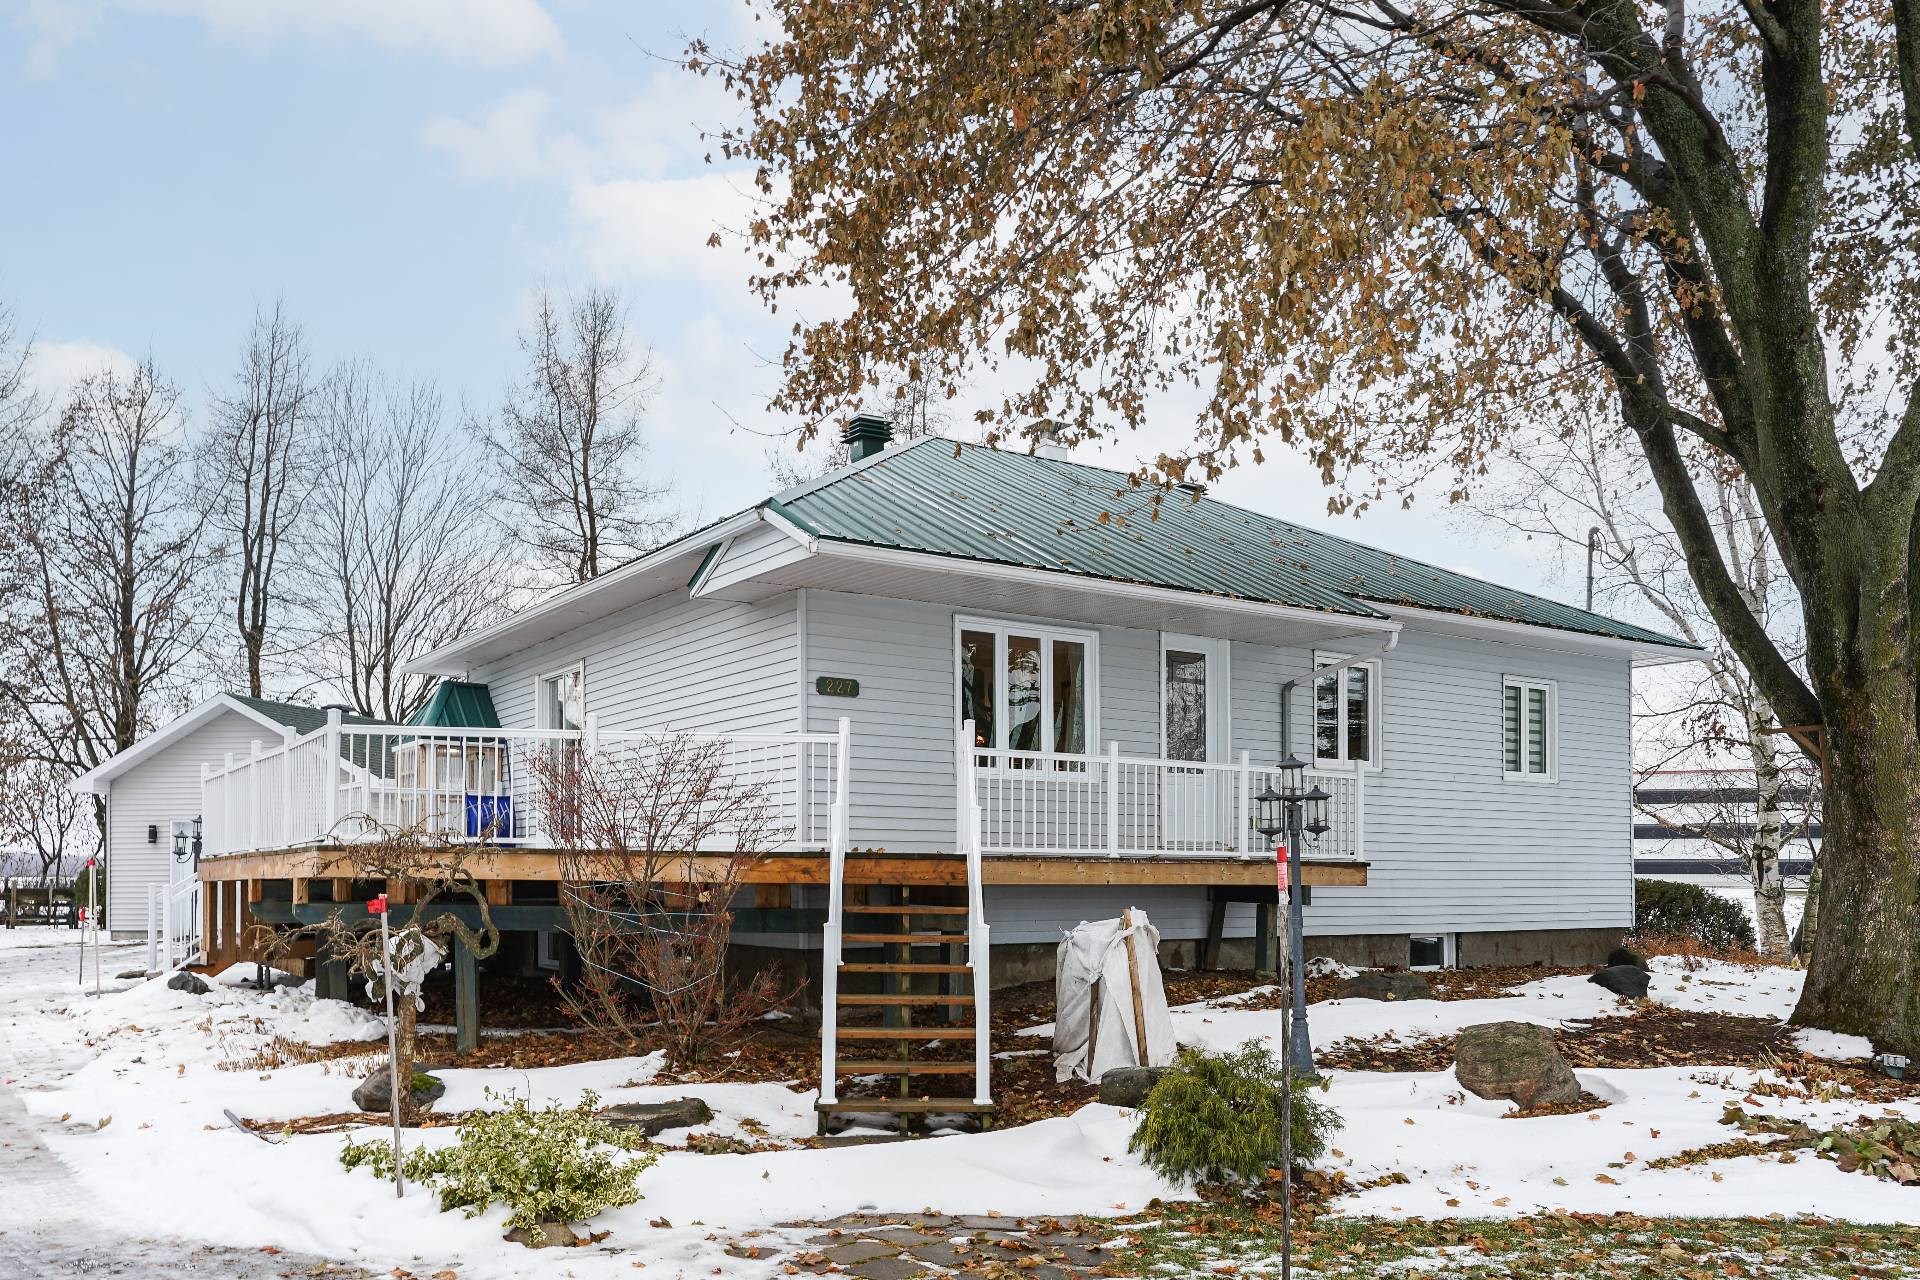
(257, 457)
(914, 407)
(404, 559)
(568, 444)
(107, 562)
(45, 817)
(1580, 478)
(1390, 235)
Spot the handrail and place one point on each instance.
(978, 953)
(830, 934)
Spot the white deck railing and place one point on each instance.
(344, 783)
(1117, 806)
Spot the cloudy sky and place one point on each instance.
(403, 173)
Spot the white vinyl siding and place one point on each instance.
(163, 789)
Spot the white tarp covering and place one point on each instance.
(1094, 982)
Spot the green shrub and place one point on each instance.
(557, 1164)
(1215, 1117)
(1671, 909)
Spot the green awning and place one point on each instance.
(458, 704)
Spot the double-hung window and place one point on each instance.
(1346, 719)
(1528, 723)
(563, 700)
(1027, 688)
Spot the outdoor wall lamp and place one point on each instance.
(185, 847)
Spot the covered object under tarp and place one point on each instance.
(1105, 972)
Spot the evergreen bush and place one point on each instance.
(1215, 1117)
(1672, 909)
(557, 1164)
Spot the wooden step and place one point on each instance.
(903, 1106)
(905, 968)
(863, 998)
(960, 1032)
(909, 939)
(903, 1067)
(904, 908)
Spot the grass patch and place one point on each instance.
(1242, 1238)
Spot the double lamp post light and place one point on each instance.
(1287, 815)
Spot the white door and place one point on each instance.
(1194, 675)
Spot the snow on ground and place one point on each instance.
(151, 1072)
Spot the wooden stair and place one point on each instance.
(920, 943)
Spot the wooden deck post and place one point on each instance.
(1216, 929)
(1263, 937)
(466, 999)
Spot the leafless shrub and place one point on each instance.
(657, 838)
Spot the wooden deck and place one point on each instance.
(325, 863)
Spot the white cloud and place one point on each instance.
(488, 33)
(509, 141)
(57, 367)
(659, 227)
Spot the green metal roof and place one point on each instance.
(976, 503)
(457, 704)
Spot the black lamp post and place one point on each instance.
(1294, 812)
(185, 846)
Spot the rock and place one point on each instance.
(1623, 980)
(546, 1235)
(373, 1094)
(124, 974)
(655, 1118)
(1129, 1086)
(1376, 985)
(1514, 1060)
(1626, 955)
(189, 983)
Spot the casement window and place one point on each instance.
(1431, 951)
(562, 700)
(1346, 713)
(1027, 688)
(1529, 728)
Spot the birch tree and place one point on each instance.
(1390, 234)
(257, 459)
(404, 558)
(568, 443)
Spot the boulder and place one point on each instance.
(1517, 1061)
(124, 974)
(655, 1118)
(189, 983)
(1623, 980)
(1377, 985)
(547, 1235)
(373, 1093)
(1129, 1086)
(1626, 955)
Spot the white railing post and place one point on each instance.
(153, 928)
(330, 773)
(1113, 799)
(286, 789)
(830, 933)
(1246, 797)
(255, 802)
(230, 829)
(1359, 812)
(206, 809)
(978, 956)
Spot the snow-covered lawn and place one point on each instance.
(137, 1112)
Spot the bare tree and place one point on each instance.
(567, 444)
(41, 813)
(1581, 481)
(657, 837)
(405, 558)
(425, 878)
(106, 567)
(256, 460)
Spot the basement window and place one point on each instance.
(1430, 951)
(546, 949)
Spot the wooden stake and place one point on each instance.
(1133, 980)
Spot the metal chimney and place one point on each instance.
(867, 435)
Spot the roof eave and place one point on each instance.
(96, 780)
(1642, 653)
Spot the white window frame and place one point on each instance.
(1552, 690)
(1046, 634)
(540, 708)
(1372, 763)
(1449, 952)
(546, 949)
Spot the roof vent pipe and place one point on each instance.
(867, 435)
(1049, 439)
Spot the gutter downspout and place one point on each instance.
(1286, 690)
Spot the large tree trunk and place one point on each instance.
(1862, 975)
